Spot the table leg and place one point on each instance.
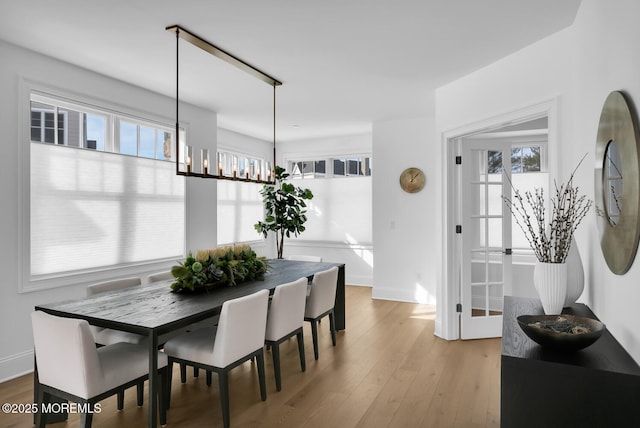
(339, 308)
(153, 377)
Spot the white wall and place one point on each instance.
(356, 254)
(16, 355)
(405, 226)
(579, 67)
(607, 59)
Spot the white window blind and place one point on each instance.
(239, 208)
(340, 210)
(92, 209)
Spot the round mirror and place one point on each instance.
(617, 204)
(612, 185)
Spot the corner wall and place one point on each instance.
(405, 225)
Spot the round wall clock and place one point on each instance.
(412, 180)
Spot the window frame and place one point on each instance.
(67, 99)
(329, 161)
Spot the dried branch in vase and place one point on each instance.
(551, 241)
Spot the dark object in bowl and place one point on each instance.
(561, 332)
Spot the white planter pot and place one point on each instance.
(575, 275)
(550, 280)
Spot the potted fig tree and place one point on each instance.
(285, 209)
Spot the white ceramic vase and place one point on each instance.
(575, 275)
(550, 280)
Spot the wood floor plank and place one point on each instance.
(387, 370)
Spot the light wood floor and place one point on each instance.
(387, 370)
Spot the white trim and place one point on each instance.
(328, 244)
(448, 320)
(397, 295)
(16, 365)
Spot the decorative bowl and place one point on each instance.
(561, 332)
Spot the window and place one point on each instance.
(239, 204)
(317, 168)
(243, 166)
(90, 207)
(308, 169)
(523, 160)
(340, 210)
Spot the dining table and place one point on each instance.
(154, 309)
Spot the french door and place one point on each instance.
(485, 275)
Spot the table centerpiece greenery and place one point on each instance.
(218, 267)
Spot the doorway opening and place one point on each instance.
(488, 256)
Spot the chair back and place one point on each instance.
(160, 276)
(322, 295)
(66, 354)
(113, 285)
(304, 258)
(286, 312)
(241, 328)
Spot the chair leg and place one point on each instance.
(140, 393)
(332, 325)
(41, 418)
(223, 382)
(169, 380)
(314, 336)
(120, 398)
(183, 372)
(275, 353)
(208, 377)
(303, 362)
(85, 419)
(261, 376)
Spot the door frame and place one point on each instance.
(448, 319)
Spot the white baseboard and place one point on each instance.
(398, 295)
(361, 280)
(16, 365)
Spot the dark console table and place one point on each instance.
(598, 386)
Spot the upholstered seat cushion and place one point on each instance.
(196, 346)
(122, 362)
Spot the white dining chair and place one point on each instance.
(160, 276)
(107, 336)
(285, 320)
(112, 285)
(320, 303)
(304, 258)
(70, 366)
(238, 337)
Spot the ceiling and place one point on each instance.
(344, 64)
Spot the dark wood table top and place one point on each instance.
(605, 354)
(154, 307)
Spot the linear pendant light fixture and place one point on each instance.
(188, 36)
